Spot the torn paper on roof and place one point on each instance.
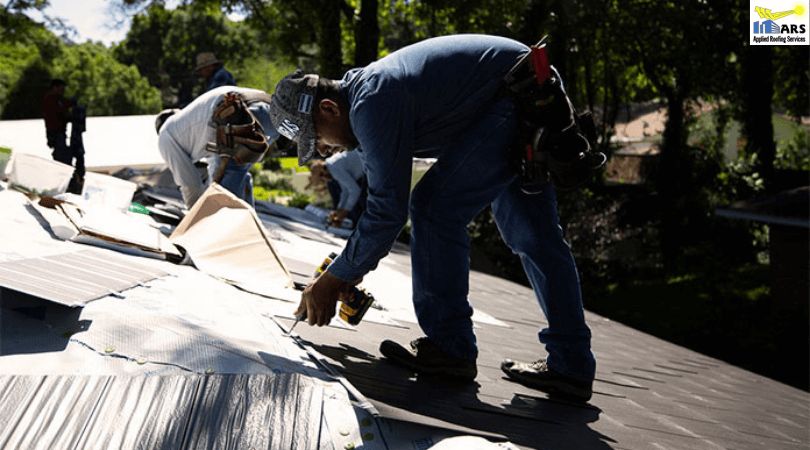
(111, 228)
(225, 238)
(104, 227)
(38, 175)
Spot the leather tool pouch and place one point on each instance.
(239, 135)
(553, 142)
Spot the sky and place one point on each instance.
(90, 18)
(93, 20)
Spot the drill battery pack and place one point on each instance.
(353, 311)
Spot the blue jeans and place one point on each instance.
(237, 179)
(470, 174)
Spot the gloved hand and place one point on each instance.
(74, 99)
(319, 299)
(336, 217)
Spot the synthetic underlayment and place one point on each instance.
(178, 412)
(73, 279)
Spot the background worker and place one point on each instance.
(342, 175)
(441, 98)
(184, 137)
(213, 71)
(56, 112)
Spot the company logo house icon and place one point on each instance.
(773, 25)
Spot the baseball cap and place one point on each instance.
(291, 111)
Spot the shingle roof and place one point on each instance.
(648, 393)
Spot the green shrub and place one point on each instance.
(795, 153)
(299, 200)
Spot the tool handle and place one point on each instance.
(221, 172)
(298, 318)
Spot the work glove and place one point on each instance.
(336, 217)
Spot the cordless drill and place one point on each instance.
(351, 312)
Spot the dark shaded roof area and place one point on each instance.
(648, 393)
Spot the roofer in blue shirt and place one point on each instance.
(441, 98)
(212, 69)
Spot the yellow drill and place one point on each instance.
(351, 312)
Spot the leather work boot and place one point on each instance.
(426, 358)
(538, 376)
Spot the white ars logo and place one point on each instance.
(288, 129)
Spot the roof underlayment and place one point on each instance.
(106, 344)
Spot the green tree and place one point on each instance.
(164, 43)
(367, 33)
(261, 72)
(105, 86)
(21, 62)
(16, 25)
(668, 41)
(306, 33)
(792, 80)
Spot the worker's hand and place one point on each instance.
(319, 299)
(336, 217)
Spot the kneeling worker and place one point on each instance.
(342, 175)
(230, 127)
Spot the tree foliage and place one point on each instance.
(164, 44)
(103, 84)
(16, 25)
(792, 80)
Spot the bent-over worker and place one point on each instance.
(441, 98)
(184, 138)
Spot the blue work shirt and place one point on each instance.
(412, 103)
(220, 77)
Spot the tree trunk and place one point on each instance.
(672, 181)
(757, 88)
(330, 58)
(367, 34)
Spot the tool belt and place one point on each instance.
(239, 135)
(553, 143)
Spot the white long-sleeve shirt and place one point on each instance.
(347, 169)
(184, 136)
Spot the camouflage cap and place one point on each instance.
(291, 111)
